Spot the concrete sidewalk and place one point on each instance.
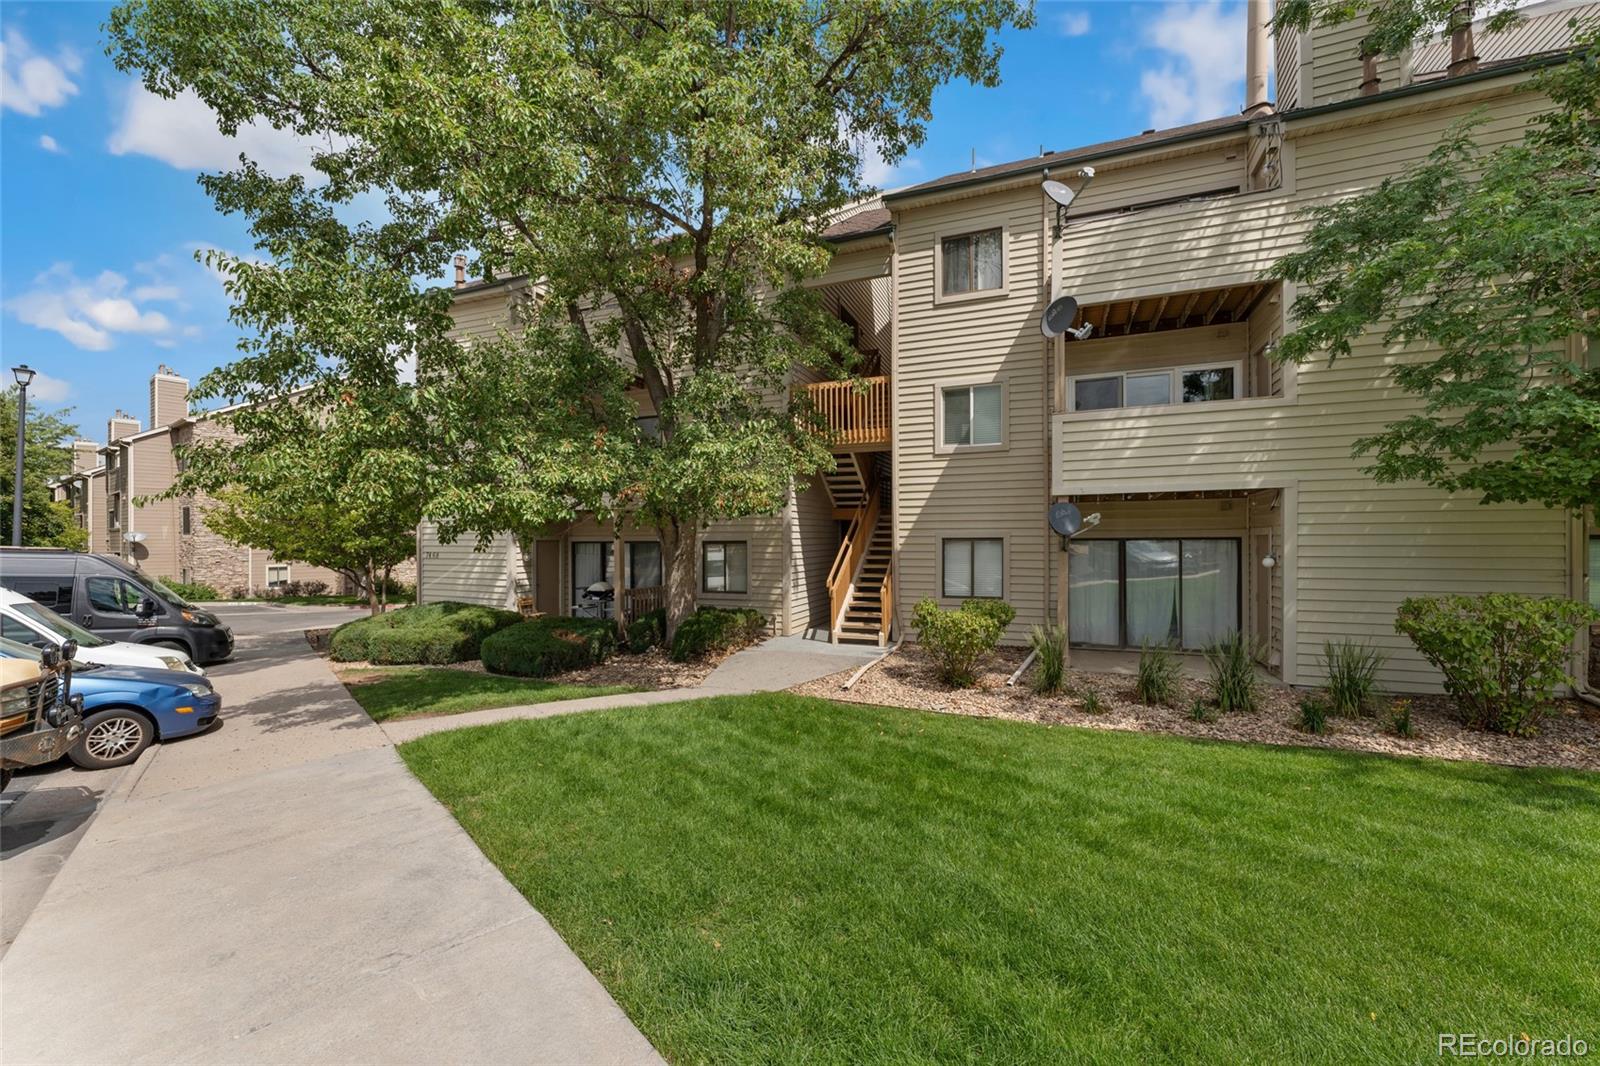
(285, 890)
(770, 666)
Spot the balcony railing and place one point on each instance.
(857, 413)
(638, 602)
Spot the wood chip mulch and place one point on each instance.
(1568, 738)
(651, 670)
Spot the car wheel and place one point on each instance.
(112, 738)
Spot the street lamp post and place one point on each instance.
(24, 376)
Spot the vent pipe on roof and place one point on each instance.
(461, 271)
(1370, 82)
(1463, 50)
(1257, 52)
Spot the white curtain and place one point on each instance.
(1152, 592)
(1210, 591)
(644, 565)
(957, 568)
(1094, 601)
(989, 250)
(957, 255)
(589, 564)
(988, 568)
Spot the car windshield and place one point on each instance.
(10, 649)
(48, 620)
(167, 594)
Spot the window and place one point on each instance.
(644, 564)
(1155, 388)
(12, 629)
(972, 262)
(972, 415)
(592, 564)
(1180, 592)
(724, 566)
(54, 593)
(277, 575)
(112, 595)
(649, 426)
(974, 568)
(185, 523)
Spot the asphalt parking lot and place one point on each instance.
(46, 809)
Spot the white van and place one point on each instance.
(28, 622)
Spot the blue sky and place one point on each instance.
(100, 213)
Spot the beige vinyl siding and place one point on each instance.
(1336, 63)
(1189, 173)
(813, 543)
(460, 572)
(151, 469)
(1286, 62)
(1360, 548)
(988, 493)
(483, 314)
(766, 536)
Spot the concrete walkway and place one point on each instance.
(770, 666)
(283, 890)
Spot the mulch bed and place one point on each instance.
(651, 670)
(1569, 736)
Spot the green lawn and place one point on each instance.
(410, 691)
(783, 879)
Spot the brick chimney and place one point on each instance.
(169, 397)
(122, 424)
(85, 456)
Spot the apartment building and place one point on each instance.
(1227, 495)
(169, 538)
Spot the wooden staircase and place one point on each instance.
(861, 583)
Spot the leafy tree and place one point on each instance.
(45, 522)
(663, 168)
(1393, 25)
(1485, 264)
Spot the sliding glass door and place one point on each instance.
(1182, 592)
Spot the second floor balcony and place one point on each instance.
(858, 413)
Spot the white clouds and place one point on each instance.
(30, 82)
(182, 132)
(46, 389)
(88, 314)
(1201, 75)
(1072, 23)
(49, 144)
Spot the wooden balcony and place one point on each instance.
(857, 413)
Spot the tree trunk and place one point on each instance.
(373, 607)
(386, 570)
(681, 546)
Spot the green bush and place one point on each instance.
(434, 634)
(1314, 712)
(1159, 673)
(1502, 654)
(961, 640)
(646, 631)
(1400, 719)
(1201, 710)
(1049, 645)
(550, 645)
(1352, 672)
(1234, 685)
(193, 591)
(1092, 701)
(716, 629)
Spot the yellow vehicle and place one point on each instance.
(39, 719)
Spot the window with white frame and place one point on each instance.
(1154, 387)
(277, 575)
(972, 415)
(973, 567)
(972, 262)
(724, 566)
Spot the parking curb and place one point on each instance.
(122, 791)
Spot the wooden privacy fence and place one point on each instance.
(856, 412)
(636, 603)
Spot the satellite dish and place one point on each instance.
(1059, 316)
(1065, 518)
(1058, 192)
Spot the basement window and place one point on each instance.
(973, 568)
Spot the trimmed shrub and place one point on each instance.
(960, 640)
(313, 588)
(1502, 654)
(1352, 672)
(647, 631)
(1159, 672)
(1314, 711)
(434, 633)
(194, 591)
(716, 629)
(540, 647)
(1049, 645)
(1234, 685)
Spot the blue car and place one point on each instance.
(127, 707)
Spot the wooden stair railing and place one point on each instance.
(856, 412)
(886, 605)
(857, 538)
